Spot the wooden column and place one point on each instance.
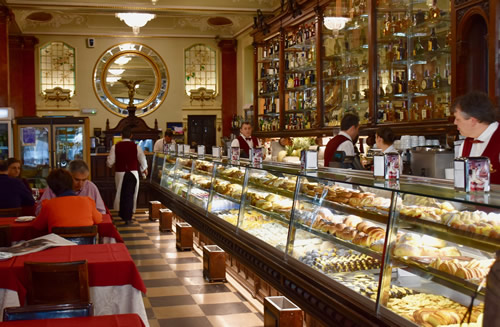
(5, 17)
(228, 51)
(22, 75)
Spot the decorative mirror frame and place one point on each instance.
(162, 80)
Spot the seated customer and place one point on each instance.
(14, 171)
(81, 186)
(66, 209)
(13, 193)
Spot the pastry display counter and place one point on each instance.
(411, 253)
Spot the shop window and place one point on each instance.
(200, 68)
(57, 67)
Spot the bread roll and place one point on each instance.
(429, 251)
(324, 213)
(378, 246)
(354, 201)
(352, 221)
(364, 225)
(407, 250)
(410, 238)
(450, 251)
(359, 238)
(432, 241)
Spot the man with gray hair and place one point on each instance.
(81, 186)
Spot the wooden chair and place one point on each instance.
(11, 212)
(80, 234)
(43, 311)
(57, 282)
(5, 236)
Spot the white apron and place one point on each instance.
(118, 183)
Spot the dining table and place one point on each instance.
(121, 320)
(116, 286)
(23, 231)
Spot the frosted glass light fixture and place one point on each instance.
(135, 20)
(335, 23)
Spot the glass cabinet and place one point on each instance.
(268, 85)
(414, 58)
(413, 252)
(345, 62)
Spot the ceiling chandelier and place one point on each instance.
(135, 20)
(335, 23)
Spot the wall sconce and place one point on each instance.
(135, 20)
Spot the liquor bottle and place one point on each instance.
(439, 109)
(403, 112)
(286, 42)
(389, 54)
(290, 82)
(447, 77)
(386, 31)
(437, 79)
(401, 50)
(336, 48)
(271, 50)
(362, 38)
(412, 83)
(296, 81)
(426, 82)
(414, 112)
(308, 80)
(404, 82)
(312, 77)
(426, 111)
(391, 113)
(448, 40)
(380, 114)
(432, 44)
(302, 80)
(399, 84)
(276, 48)
(312, 55)
(262, 71)
(264, 52)
(418, 49)
(434, 11)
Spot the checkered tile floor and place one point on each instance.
(177, 294)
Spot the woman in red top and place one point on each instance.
(66, 209)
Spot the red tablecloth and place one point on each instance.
(123, 320)
(26, 231)
(108, 265)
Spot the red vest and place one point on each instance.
(332, 146)
(244, 146)
(492, 151)
(126, 156)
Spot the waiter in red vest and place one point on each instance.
(245, 141)
(343, 141)
(476, 119)
(128, 159)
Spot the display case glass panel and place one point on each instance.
(182, 176)
(267, 205)
(35, 151)
(414, 59)
(69, 144)
(157, 173)
(226, 194)
(200, 182)
(345, 61)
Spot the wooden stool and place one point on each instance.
(281, 312)
(154, 210)
(214, 263)
(184, 236)
(166, 216)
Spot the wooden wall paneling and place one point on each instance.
(282, 81)
(320, 108)
(494, 51)
(255, 87)
(5, 19)
(228, 83)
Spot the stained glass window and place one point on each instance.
(57, 66)
(200, 68)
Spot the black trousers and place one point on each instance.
(127, 196)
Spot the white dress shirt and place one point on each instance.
(390, 149)
(478, 148)
(346, 146)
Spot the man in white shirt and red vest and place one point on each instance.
(476, 119)
(343, 141)
(128, 159)
(245, 141)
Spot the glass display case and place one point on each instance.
(414, 58)
(268, 85)
(345, 61)
(412, 251)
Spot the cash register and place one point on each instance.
(340, 160)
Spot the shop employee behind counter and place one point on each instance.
(476, 119)
(245, 141)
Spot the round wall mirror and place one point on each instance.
(131, 70)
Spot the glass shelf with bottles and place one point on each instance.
(414, 59)
(345, 62)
